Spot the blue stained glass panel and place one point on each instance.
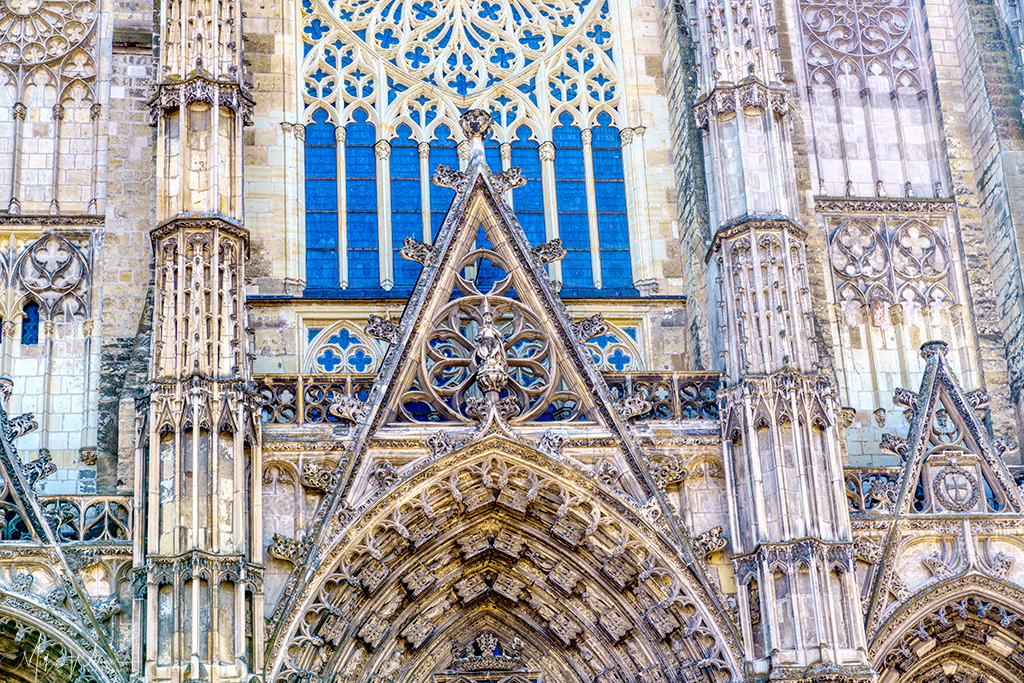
(321, 202)
(613, 230)
(616, 268)
(363, 267)
(442, 151)
(528, 200)
(322, 230)
(361, 198)
(321, 194)
(30, 324)
(406, 204)
(362, 230)
(610, 198)
(321, 161)
(572, 196)
(576, 268)
(322, 267)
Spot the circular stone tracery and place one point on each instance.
(466, 45)
(38, 31)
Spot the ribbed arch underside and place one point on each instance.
(505, 539)
(963, 659)
(32, 653)
(967, 634)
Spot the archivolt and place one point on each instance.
(500, 535)
(966, 626)
(37, 643)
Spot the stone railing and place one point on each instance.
(89, 518)
(871, 489)
(304, 399)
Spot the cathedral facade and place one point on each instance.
(511, 341)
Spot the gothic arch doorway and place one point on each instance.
(498, 538)
(969, 629)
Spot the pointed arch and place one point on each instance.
(498, 527)
(37, 632)
(973, 623)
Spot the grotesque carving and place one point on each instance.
(414, 250)
(450, 178)
(709, 542)
(632, 406)
(549, 252)
(320, 477)
(287, 549)
(23, 424)
(503, 181)
(895, 445)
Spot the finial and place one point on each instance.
(476, 125)
(929, 349)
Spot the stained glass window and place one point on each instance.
(30, 324)
(397, 75)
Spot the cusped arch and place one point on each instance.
(499, 528)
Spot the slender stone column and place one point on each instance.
(791, 538)
(198, 573)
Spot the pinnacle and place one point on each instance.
(476, 125)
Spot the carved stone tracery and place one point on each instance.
(484, 344)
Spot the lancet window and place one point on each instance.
(384, 84)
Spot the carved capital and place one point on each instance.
(547, 151)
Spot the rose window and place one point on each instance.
(37, 31)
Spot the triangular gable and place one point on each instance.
(948, 452)
(546, 369)
(505, 326)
